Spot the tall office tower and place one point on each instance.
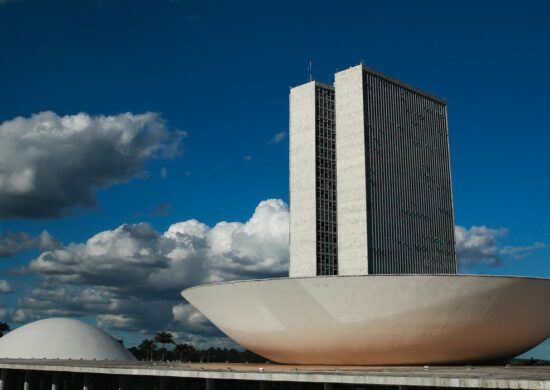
(395, 212)
(313, 230)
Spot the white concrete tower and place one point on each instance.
(351, 173)
(370, 180)
(313, 232)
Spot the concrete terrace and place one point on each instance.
(266, 376)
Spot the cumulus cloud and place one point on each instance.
(192, 321)
(5, 287)
(278, 137)
(12, 243)
(46, 242)
(480, 244)
(50, 163)
(520, 252)
(131, 277)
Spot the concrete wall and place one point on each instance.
(70, 375)
(351, 173)
(303, 253)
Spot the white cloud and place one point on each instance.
(115, 321)
(12, 243)
(480, 244)
(520, 252)
(192, 321)
(204, 342)
(5, 287)
(49, 163)
(164, 173)
(278, 137)
(131, 277)
(46, 242)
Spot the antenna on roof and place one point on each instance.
(309, 71)
(362, 62)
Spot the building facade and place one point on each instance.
(370, 182)
(395, 211)
(313, 224)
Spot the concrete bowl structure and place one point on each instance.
(61, 338)
(381, 319)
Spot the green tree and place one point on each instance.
(164, 338)
(4, 328)
(148, 347)
(183, 352)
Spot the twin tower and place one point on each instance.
(370, 181)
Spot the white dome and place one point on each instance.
(61, 338)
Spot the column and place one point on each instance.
(87, 385)
(3, 378)
(27, 381)
(121, 382)
(55, 381)
(164, 383)
(210, 384)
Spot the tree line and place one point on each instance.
(155, 349)
(4, 328)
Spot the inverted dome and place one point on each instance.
(61, 338)
(381, 319)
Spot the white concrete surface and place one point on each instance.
(303, 240)
(501, 377)
(351, 173)
(381, 319)
(61, 338)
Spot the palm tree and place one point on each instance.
(149, 346)
(164, 338)
(4, 328)
(182, 350)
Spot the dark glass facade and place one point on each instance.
(409, 198)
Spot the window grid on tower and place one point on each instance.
(409, 201)
(325, 162)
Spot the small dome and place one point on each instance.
(61, 338)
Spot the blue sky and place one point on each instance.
(218, 74)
